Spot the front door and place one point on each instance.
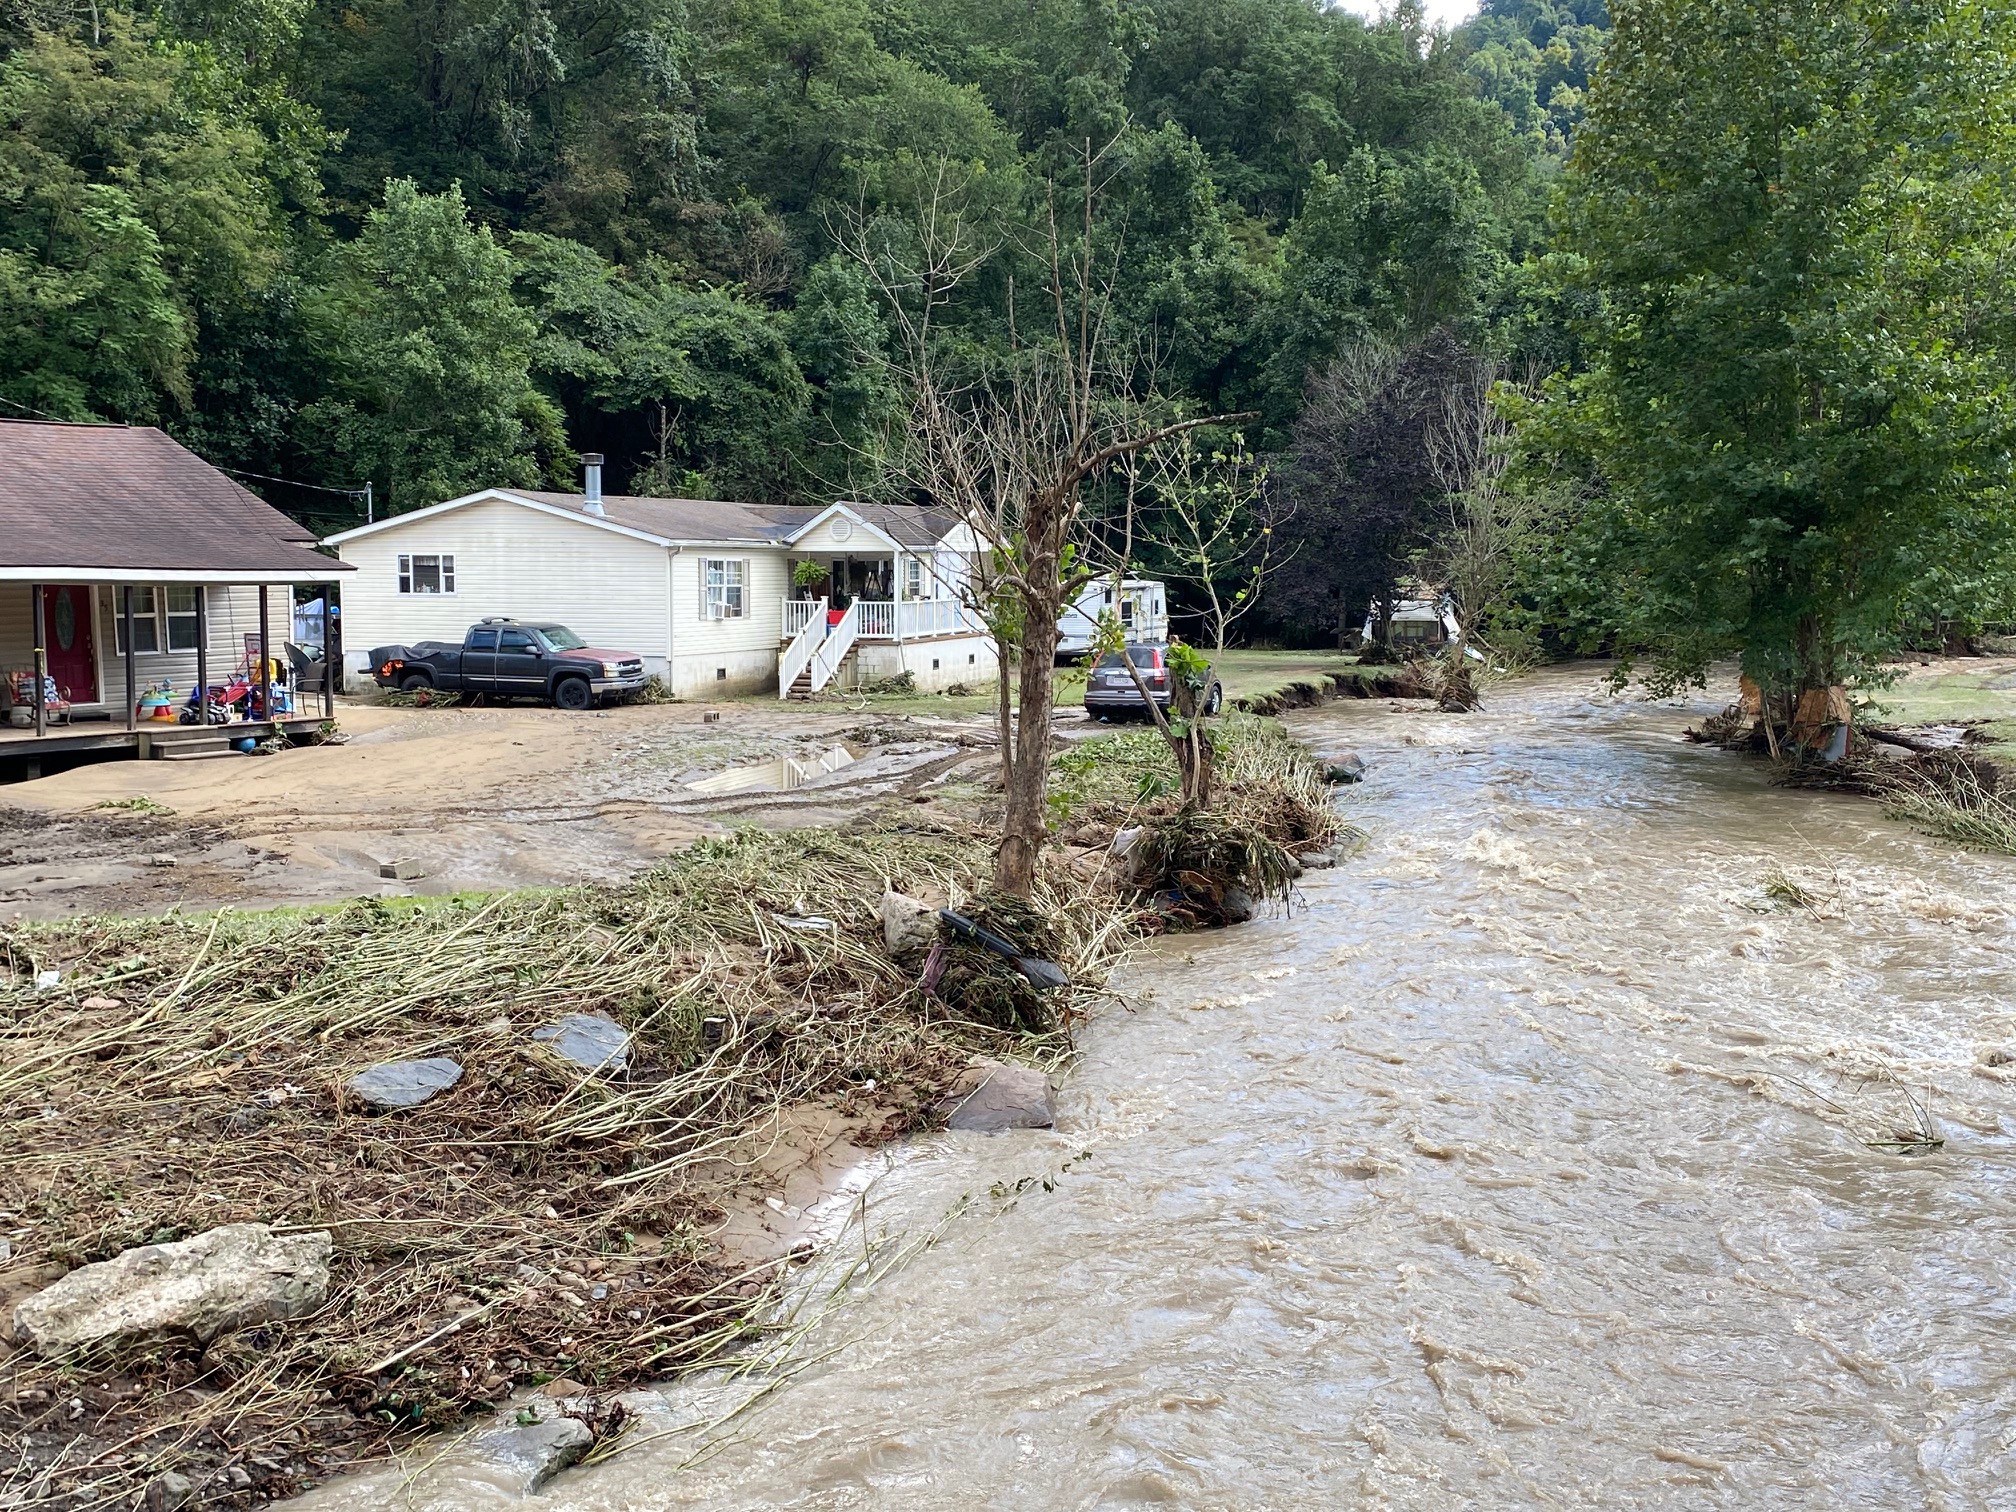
(66, 624)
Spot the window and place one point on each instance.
(722, 594)
(427, 574)
(517, 640)
(146, 621)
(913, 578)
(181, 618)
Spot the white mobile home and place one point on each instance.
(708, 592)
(1143, 608)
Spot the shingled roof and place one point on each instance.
(81, 499)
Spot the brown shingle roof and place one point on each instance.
(688, 519)
(722, 520)
(127, 497)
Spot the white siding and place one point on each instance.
(825, 540)
(233, 614)
(609, 588)
(744, 649)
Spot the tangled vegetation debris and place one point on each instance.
(535, 1222)
(532, 1223)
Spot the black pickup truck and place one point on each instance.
(510, 659)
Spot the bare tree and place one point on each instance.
(1214, 520)
(1469, 439)
(1010, 445)
(1188, 673)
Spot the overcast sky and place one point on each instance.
(1440, 12)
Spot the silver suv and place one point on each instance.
(1110, 692)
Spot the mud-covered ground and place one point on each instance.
(473, 799)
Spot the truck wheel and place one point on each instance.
(1215, 700)
(573, 694)
(414, 682)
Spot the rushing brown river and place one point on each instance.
(1556, 1151)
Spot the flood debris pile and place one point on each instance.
(511, 1120)
(1272, 805)
(983, 984)
(1939, 778)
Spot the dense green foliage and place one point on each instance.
(1790, 224)
(442, 243)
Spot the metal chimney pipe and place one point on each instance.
(591, 469)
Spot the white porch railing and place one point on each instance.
(882, 620)
(798, 613)
(832, 651)
(922, 617)
(797, 656)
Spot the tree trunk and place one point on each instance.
(1194, 752)
(1004, 718)
(1024, 826)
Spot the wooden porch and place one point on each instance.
(23, 752)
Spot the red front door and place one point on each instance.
(73, 660)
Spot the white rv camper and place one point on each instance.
(1418, 622)
(1143, 611)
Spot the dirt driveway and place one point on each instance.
(473, 799)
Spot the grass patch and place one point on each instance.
(1954, 799)
(187, 1073)
(1265, 674)
(137, 805)
(1264, 780)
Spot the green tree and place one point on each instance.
(695, 387)
(137, 199)
(430, 359)
(1791, 221)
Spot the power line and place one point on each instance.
(39, 414)
(239, 472)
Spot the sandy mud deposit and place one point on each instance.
(469, 799)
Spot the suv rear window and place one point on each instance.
(1143, 656)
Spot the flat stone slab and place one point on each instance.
(534, 1454)
(217, 1283)
(404, 1084)
(992, 1098)
(592, 1041)
(909, 927)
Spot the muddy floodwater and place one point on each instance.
(1575, 1144)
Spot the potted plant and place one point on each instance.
(808, 577)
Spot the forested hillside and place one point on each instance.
(439, 244)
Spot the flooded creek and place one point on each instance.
(1545, 1156)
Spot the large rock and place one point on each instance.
(1349, 767)
(992, 1097)
(534, 1454)
(592, 1041)
(398, 1085)
(909, 927)
(1238, 906)
(202, 1288)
